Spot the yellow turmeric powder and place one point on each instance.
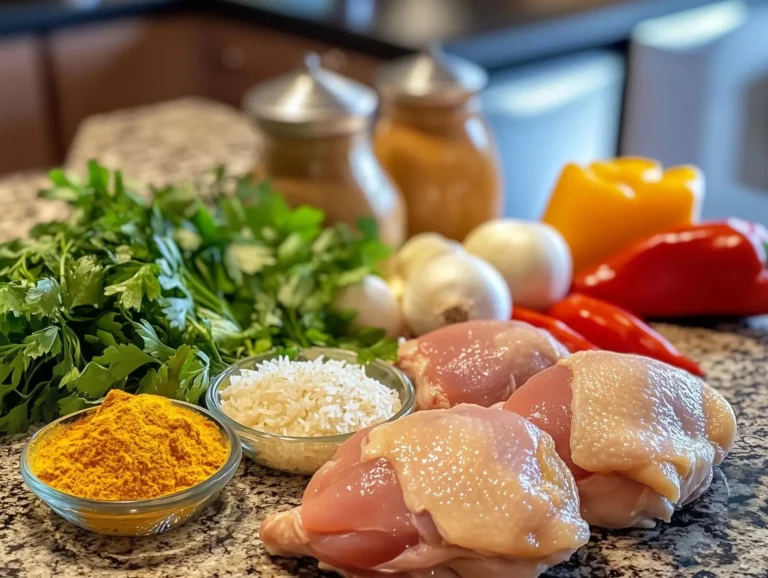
(134, 447)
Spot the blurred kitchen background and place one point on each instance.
(681, 81)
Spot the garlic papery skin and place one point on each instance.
(397, 286)
(533, 258)
(452, 289)
(422, 248)
(375, 303)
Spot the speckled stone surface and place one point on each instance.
(723, 533)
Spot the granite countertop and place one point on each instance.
(494, 33)
(722, 534)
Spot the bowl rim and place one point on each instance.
(213, 400)
(205, 487)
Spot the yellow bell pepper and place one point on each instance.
(602, 208)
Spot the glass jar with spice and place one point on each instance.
(315, 147)
(433, 140)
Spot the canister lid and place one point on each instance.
(431, 75)
(311, 101)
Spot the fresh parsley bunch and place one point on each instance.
(158, 297)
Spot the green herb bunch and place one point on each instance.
(158, 296)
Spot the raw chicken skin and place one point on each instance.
(468, 492)
(479, 362)
(640, 436)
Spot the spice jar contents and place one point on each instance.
(337, 173)
(443, 159)
(132, 448)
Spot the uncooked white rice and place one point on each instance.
(308, 398)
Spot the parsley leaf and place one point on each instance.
(152, 343)
(94, 381)
(84, 283)
(177, 309)
(14, 421)
(72, 403)
(108, 324)
(42, 342)
(44, 297)
(250, 258)
(132, 291)
(11, 298)
(122, 360)
(173, 376)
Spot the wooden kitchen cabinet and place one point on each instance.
(236, 56)
(122, 64)
(25, 126)
(49, 84)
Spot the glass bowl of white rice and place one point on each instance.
(292, 415)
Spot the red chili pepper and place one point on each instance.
(756, 299)
(612, 328)
(707, 269)
(559, 330)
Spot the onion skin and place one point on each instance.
(533, 258)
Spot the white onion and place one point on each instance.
(375, 303)
(533, 258)
(454, 288)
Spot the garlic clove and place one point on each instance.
(421, 249)
(375, 303)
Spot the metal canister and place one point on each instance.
(315, 147)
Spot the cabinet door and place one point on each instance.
(122, 64)
(698, 94)
(548, 114)
(25, 130)
(237, 56)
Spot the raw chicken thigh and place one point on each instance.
(640, 436)
(480, 362)
(468, 492)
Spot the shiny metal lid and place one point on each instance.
(311, 101)
(432, 76)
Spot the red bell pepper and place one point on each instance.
(707, 269)
(559, 330)
(612, 328)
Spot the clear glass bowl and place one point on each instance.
(134, 517)
(302, 455)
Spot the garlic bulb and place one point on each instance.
(533, 258)
(422, 248)
(375, 303)
(397, 286)
(454, 288)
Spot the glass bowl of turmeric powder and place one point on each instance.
(132, 466)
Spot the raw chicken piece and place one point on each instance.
(640, 436)
(467, 492)
(480, 362)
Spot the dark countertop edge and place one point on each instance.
(515, 44)
(602, 27)
(321, 31)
